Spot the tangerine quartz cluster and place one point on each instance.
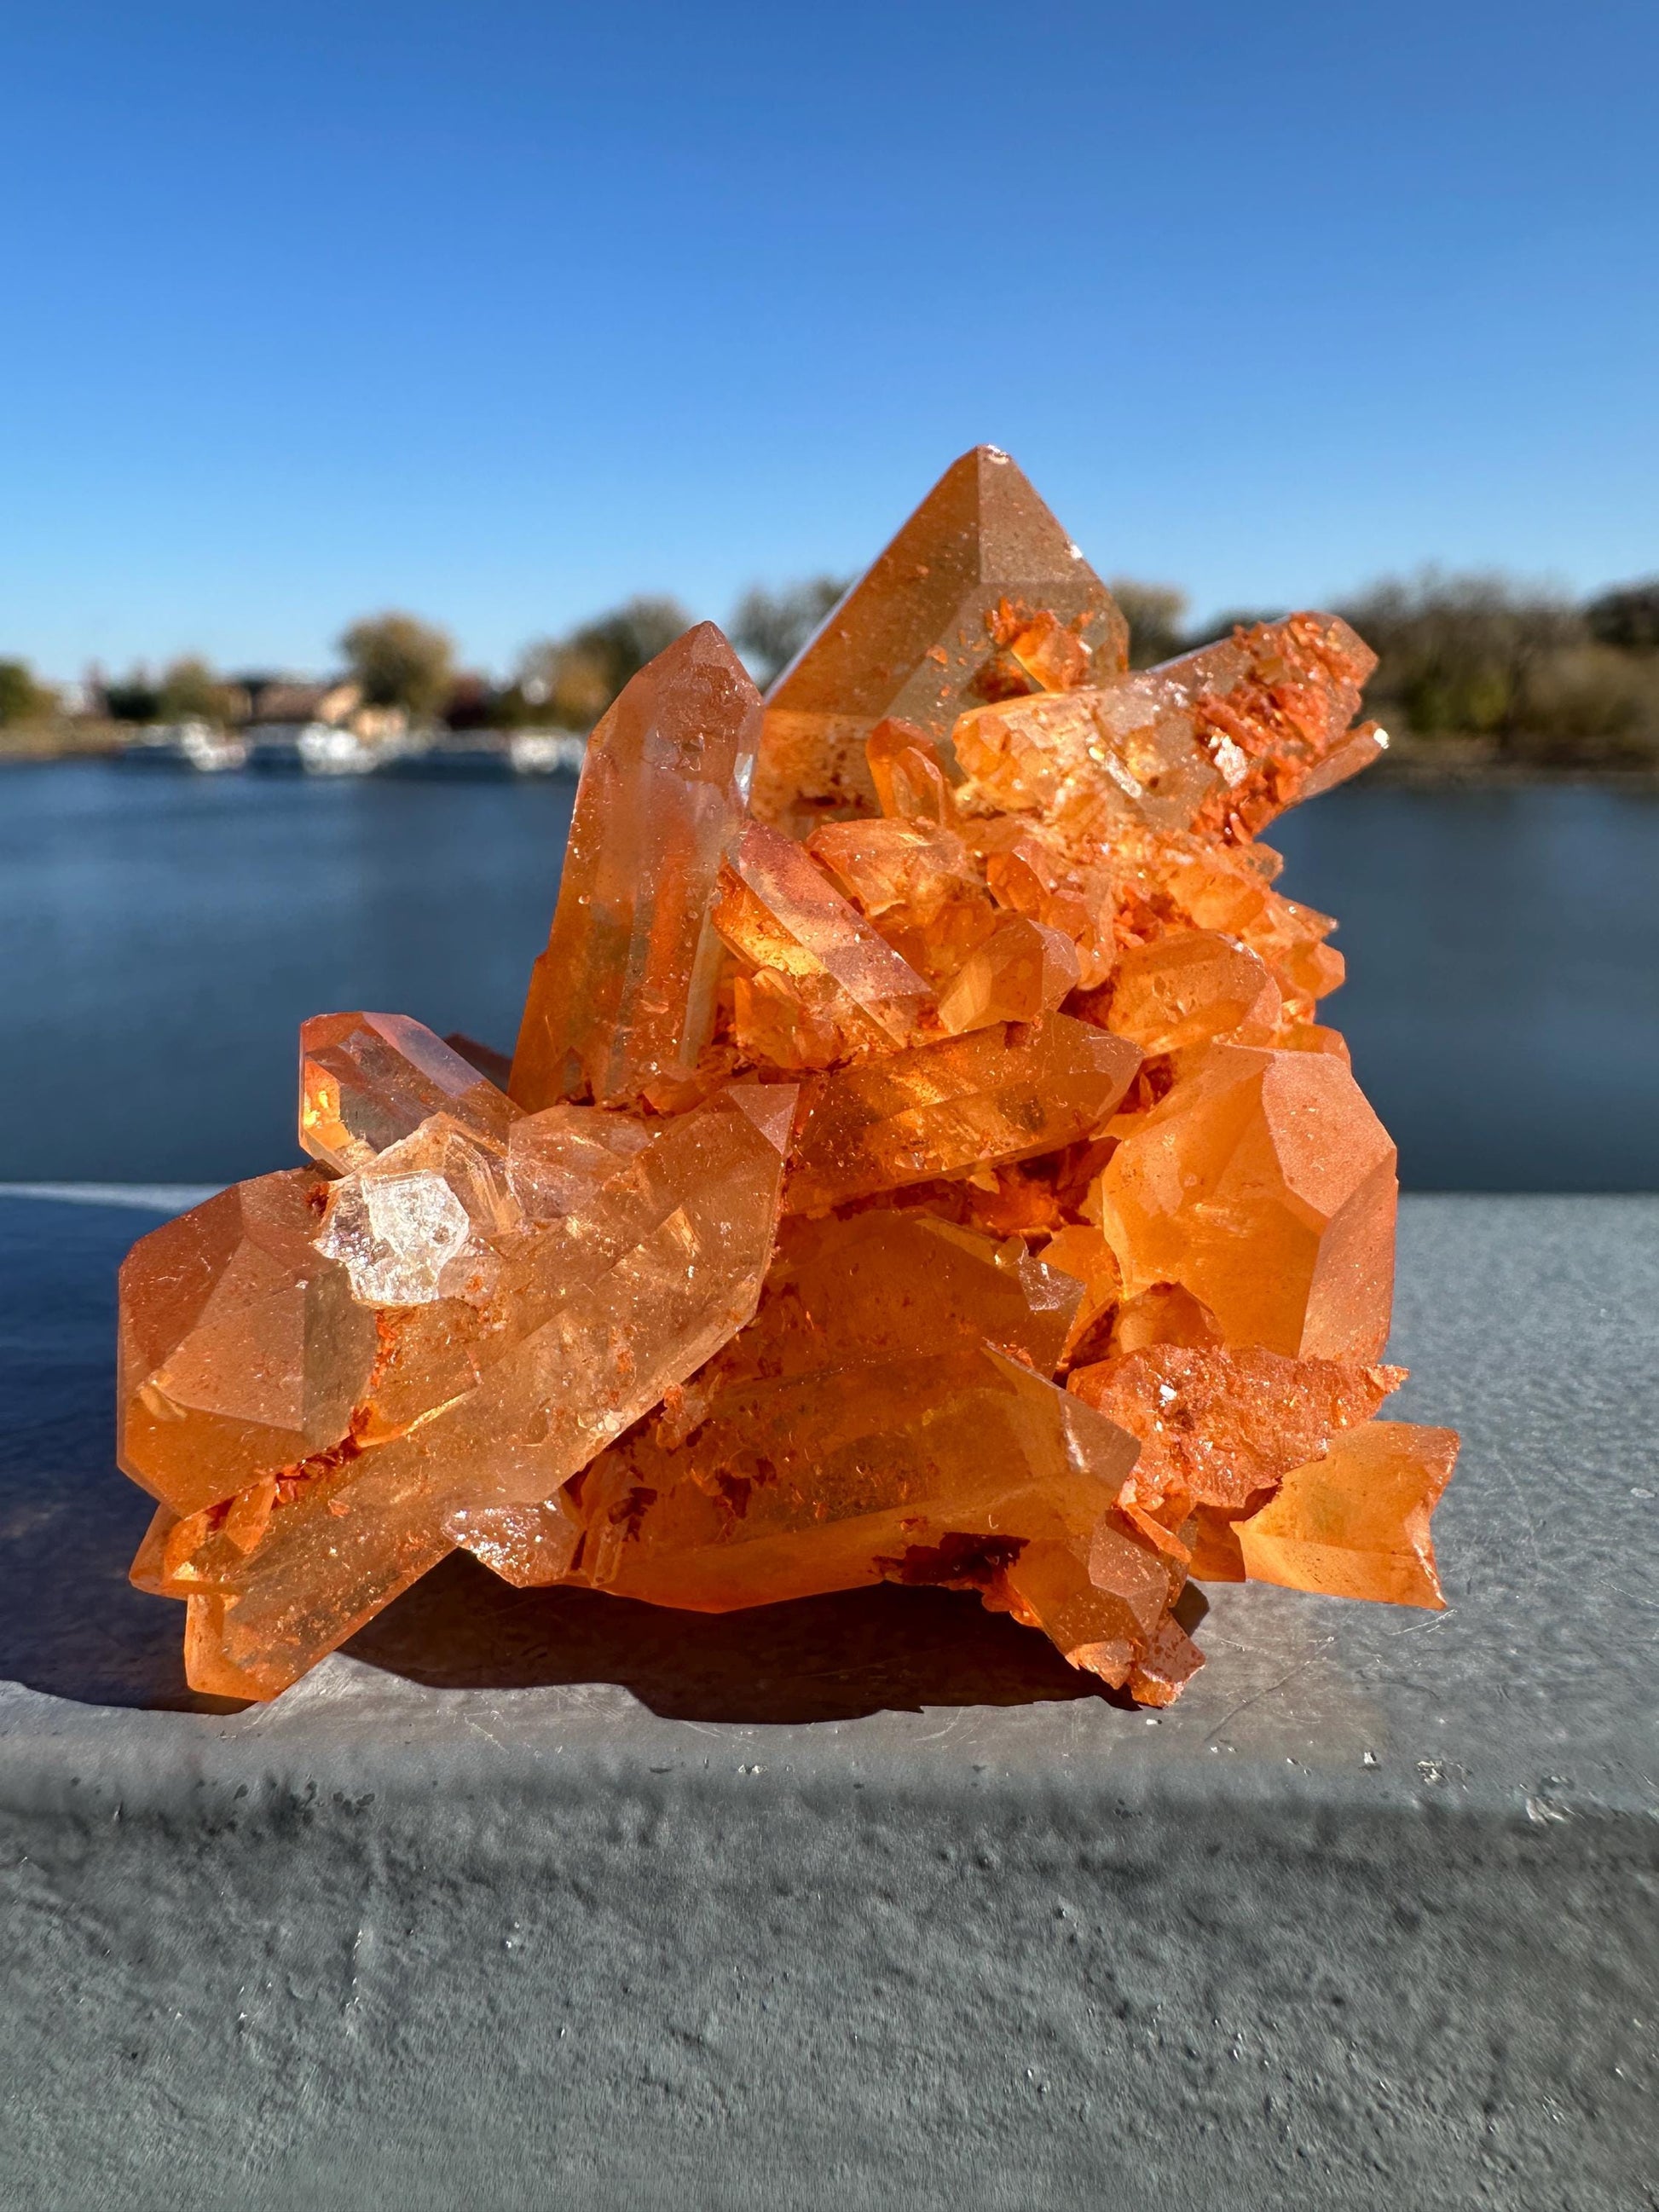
(922, 1162)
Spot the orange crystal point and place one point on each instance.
(906, 775)
(912, 869)
(1168, 1664)
(241, 1349)
(558, 1159)
(1163, 1314)
(1271, 706)
(624, 993)
(1027, 875)
(528, 1546)
(1192, 988)
(779, 912)
(1356, 1523)
(918, 884)
(1220, 741)
(366, 1080)
(928, 632)
(944, 1109)
(1229, 889)
(1101, 1599)
(1218, 1425)
(1020, 972)
(1265, 1185)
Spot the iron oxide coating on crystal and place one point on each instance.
(934, 1172)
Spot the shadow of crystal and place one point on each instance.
(832, 1658)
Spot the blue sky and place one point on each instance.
(501, 312)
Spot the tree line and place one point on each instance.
(1477, 660)
(397, 662)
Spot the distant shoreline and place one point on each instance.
(1452, 763)
(1474, 764)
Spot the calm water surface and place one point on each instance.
(162, 934)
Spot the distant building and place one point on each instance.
(384, 726)
(294, 699)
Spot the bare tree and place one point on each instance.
(573, 679)
(1461, 652)
(1155, 614)
(1628, 617)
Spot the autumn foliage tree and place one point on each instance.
(22, 697)
(400, 662)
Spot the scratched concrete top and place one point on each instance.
(1531, 1324)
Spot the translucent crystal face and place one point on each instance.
(555, 1159)
(366, 1080)
(397, 1236)
(624, 994)
(932, 1171)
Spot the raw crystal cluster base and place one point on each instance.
(922, 1162)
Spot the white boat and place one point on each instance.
(546, 753)
(326, 750)
(200, 745)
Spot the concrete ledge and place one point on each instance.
(540, 1898)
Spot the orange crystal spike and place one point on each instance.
(779, 910)
(624, 993)
(1191, 987)
(1020, 972)
(917, 882)
(1221, 740)
(944, 1109)
(918, 637)
(1356, 1523)
(906, 775)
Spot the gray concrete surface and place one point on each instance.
(542, 1899)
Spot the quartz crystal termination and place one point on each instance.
(982, 595)
(624, 994)
(939, 1175)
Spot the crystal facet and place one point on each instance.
(1263, 1183)
(1355, 1524)
(942, 1110)
(368, 1079)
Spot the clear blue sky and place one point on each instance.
(500, 312)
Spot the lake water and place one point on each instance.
(162, 934)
